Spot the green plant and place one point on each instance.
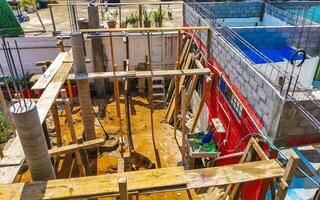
(25, 3)
(5, 130)
(133, 18)
(158, 15)
(146, 15)
(112, 16)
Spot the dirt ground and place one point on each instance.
(60, 14)
(169, 152)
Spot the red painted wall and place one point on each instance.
(239, 128)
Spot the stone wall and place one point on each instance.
(258, 91)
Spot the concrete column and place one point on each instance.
(97, 50)
(79, 66)
(27, 122)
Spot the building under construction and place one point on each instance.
(209, 100)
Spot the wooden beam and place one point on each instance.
(232, 174)
(5, 109)
(51, 92)
(183, 122)
(123, 188)
(201, 104)
(145, 181)
(138, 74)
(13, 158)
(288, 174)
(72, 130)
(55, 116)
(151, 29)
(48, 75)
(176, 102)
(76, 147)
(193, 86)
(127, 106)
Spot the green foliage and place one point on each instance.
(146, 15)
(112, 16)
(133, 18)
(158, 15)
(5, 130)
(25, 3)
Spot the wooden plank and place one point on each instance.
(51, 92)
(201, 104)
(146, 181)
(288, 174)
(84, 187)
(47, 76)
(138, 74)
(14, 156)
(231, 174)
(76, 147)
(171, 106)
(151, 29)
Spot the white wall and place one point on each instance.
(307, 71)
(34, 49)
(203, 120)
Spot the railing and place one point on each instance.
(138, 7)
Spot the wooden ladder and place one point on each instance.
(158, 87)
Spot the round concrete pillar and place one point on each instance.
(79, 66)
(26, 119)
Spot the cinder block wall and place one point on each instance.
(259, 92)
(293, 125)
(234, 9)
(273, 37)
(286, 15)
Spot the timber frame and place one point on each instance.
(139, 182)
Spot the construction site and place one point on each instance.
(160, 100)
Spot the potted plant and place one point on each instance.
(125, 23)
(158, 16)
(133, 19)
(146, 18)
(112, 18)
(28, 5)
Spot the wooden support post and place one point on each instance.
(183, 123)
(120, 15)
(7, 113)
(127, 106)
(246, 157)
(54, 32)
(123, 190)
(72, 130)
(85, 158)
(115, 81)
(40, 20)
(140, 16)
(179, 49)
(1, 153)
(176, 103)
(201, 104)
(149, 67)
(209, 44)
(193, 86)
(288, 174)
(55, 116)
